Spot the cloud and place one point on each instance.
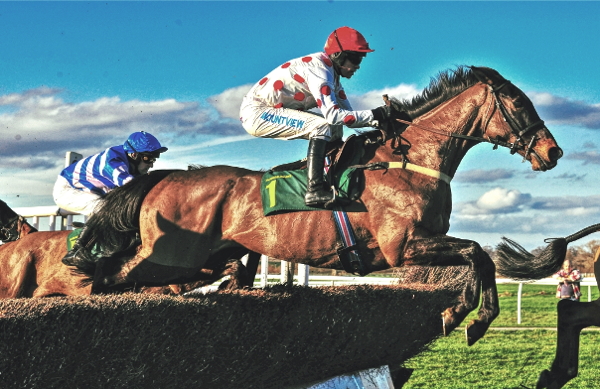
(559, 110)
(38, 122)
(508, 212)
(566, 203)
(483, 176)
(228, 102)
(588, 157)
(373, 99)
(571, 177)
(501, 200)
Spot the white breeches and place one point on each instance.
(74, 200)
(283, 123)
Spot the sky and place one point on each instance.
(81, 76)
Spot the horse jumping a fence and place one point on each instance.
(513, 261)
(30, 263)
(194, 220)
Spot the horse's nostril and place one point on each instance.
(555, 153)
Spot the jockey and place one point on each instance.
(277, 105)
(81, 185)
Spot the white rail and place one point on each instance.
(33, 215)
(545, 281)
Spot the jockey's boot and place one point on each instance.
(78, 252)
(316, 194)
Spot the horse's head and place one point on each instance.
(516, 122)
(8, 219)
(12, 225)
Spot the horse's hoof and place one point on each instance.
(543, 380)
(448, 321)
(475, 331)
(553, 379)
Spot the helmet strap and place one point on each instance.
(338, 59)
(134, 160)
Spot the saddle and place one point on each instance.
(283, 186)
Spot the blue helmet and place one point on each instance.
(143, 142)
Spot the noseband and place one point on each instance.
(11, 230)
(515, 128)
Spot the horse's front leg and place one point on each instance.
(449, 251)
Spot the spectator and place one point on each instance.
(568, 285)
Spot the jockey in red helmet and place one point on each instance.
(277, 105)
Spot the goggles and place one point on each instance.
(356, 59)
(149, 158)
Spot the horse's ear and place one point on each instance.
(487, 75)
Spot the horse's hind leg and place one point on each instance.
(572, 318)
(449, 251)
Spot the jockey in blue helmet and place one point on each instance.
(80, 186)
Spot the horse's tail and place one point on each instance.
(514, 262)
(114, 224)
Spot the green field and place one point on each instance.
(506, 359)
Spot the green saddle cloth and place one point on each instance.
(283, 191)
(74, 236)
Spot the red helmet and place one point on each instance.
(346, 39)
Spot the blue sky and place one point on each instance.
(81, 76)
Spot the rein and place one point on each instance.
(497, 102)
(514, 147)
(514, 127)
(11, 230)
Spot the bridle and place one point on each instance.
(515, 128)
(496, 103)
(11, 231)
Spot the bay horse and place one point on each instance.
(30, 260)
(12, 225)
(30, 264)
(193, 219)
(513, 261)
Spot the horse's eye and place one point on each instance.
(518, 103)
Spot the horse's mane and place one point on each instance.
(116, 220)
(446, 85)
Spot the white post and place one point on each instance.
(36, 222)
(287, 272)
(52, 222)
(72, 157)
(303, 274)
(69, 222)
(519, 303)
(264, 271)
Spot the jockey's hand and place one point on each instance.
(382, 114)
(387, 114)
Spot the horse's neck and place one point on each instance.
(464, 114)
(26, 229)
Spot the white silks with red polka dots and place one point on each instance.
(277, 105)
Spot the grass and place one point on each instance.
(506, 359)
(501, 360)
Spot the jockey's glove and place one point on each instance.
(388, 112)
(382, 114)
